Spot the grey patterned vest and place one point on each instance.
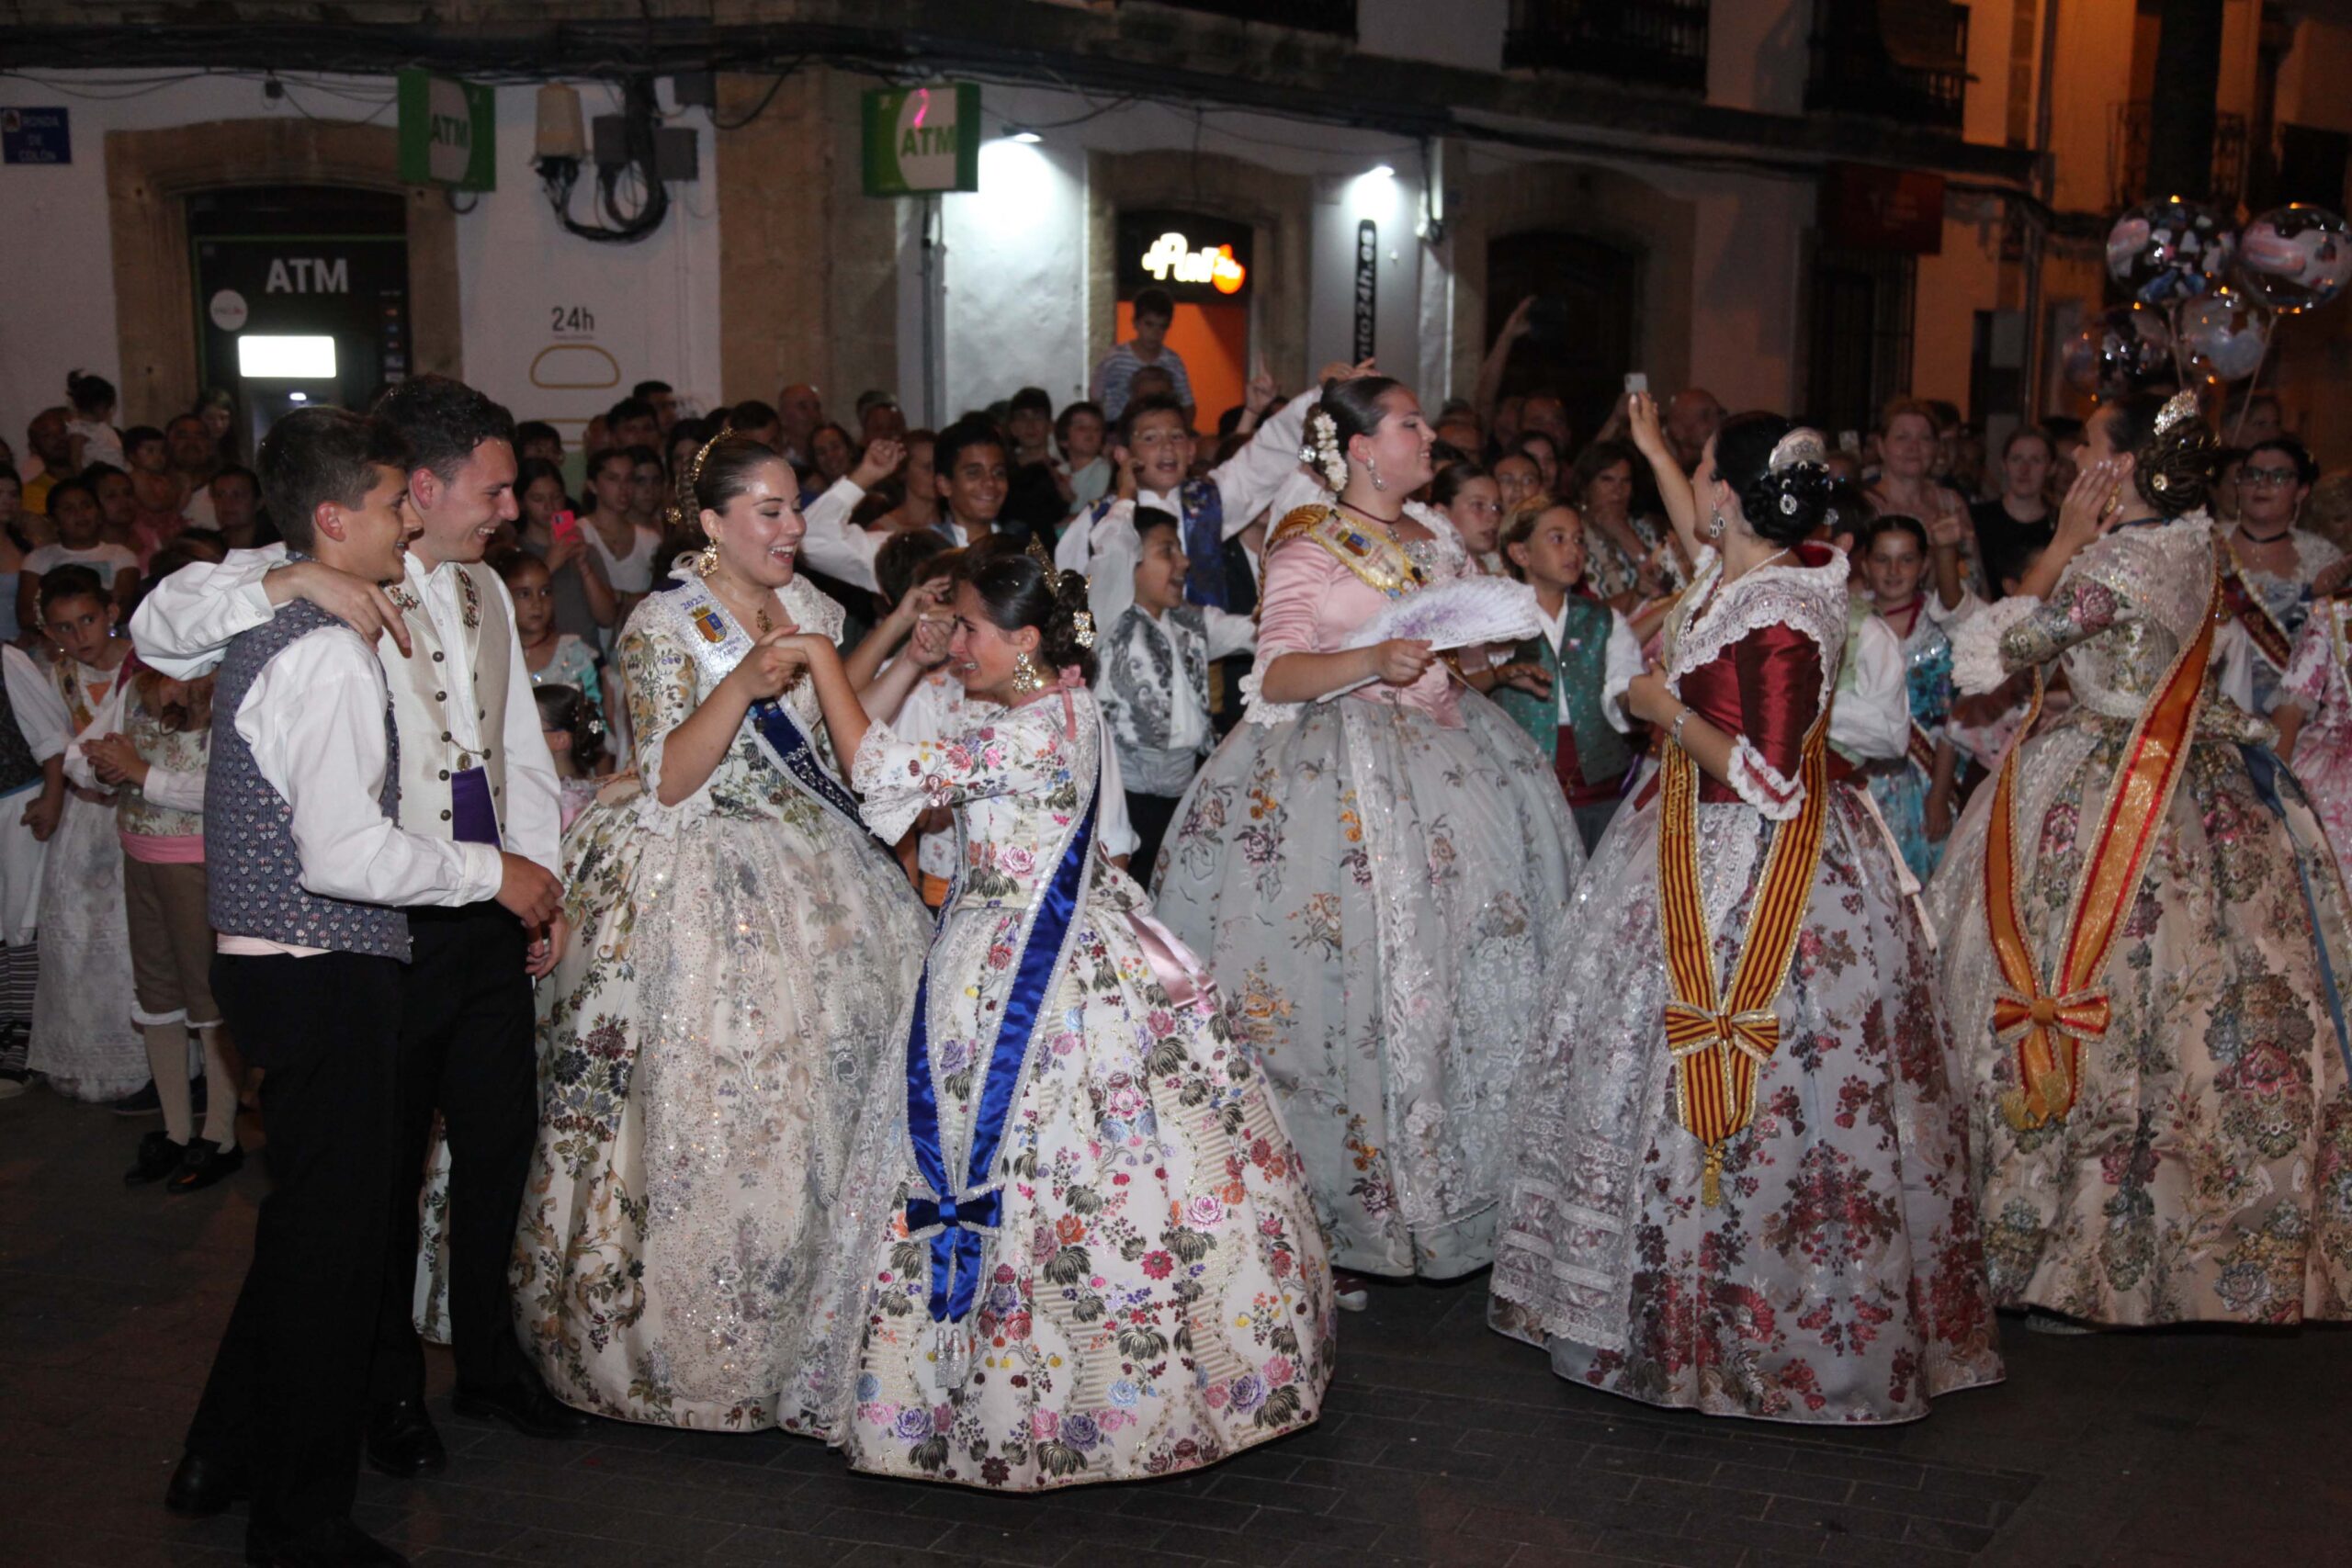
(1134, 694)
(253, 872)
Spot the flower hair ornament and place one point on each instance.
(1082, 621)
(1800, 449)
(1321, 452)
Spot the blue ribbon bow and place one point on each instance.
(955, 1249)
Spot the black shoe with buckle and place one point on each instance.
(207, 1163)
(158, 1158)
(401, 1442)
(526, 1407)
(202, 1487)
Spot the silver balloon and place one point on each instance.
(2296, 258)
(2168, 250)
(2224, 334)
(2120, 350)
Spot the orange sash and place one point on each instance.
(1720, 1049)
(2047, 1027)
(2262, 628)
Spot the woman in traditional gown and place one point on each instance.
(1382, 880)
(1741, 1179)
(741, 951)
(2312, 709)
(1074, 1245)
(2144, 935)
(2277, 563)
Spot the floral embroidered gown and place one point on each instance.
(1381, 883)
(2319, 681)
(1840, 1279)
(1136, 1287)
(2204, 1170)
(737, 968)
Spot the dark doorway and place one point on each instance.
(1581, 340)
(1859, 342)
(301, 295)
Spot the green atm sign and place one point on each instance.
(920, 140)
(448, 132)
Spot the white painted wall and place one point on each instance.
(1013, 276)
(655, 303)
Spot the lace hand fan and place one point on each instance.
(1454, 614)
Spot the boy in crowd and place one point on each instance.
(1029, 423)
(663, 399)
(311, 875)
(1113, 379)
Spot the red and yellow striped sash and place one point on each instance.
(1720, 1048)
(2262, 628)
(2047, 1026)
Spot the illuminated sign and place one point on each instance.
(1197, 258)
(1171, 257)
(923, 140)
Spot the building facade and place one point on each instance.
(1802, 204)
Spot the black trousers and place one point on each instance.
(1150, 816)
(465, 1050)
(287, 1399)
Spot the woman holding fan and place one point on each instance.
(1379, 863)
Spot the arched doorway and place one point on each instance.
(1581, 338)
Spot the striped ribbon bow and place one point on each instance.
(1690, 1030)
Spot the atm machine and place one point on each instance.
(301, 295)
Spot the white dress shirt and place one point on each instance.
(832, 544)
(186, 622)
(1621, 661)
(1246, 482)
(1872, 722)
(314, 718)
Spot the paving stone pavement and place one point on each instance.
(1443, 1444)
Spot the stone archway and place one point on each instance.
(1277, 207)
(150, 174)
(1604, 204)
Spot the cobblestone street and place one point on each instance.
(1443, 1444)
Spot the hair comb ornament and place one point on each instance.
(1082, 621)
(694, 469)
(1321, 449)
(2182, 407)
(1799, 447)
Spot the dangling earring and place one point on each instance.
(707, 560)
(1714, 524)
(1025, 678)
(1373, 469)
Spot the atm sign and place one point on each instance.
(448, 132)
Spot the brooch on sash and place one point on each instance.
(707, 622)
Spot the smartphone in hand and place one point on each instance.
(567, 528)
(1637, 382)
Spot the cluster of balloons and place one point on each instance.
(2204, 296)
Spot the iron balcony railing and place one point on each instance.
(1336, 16)
(1899, 60)
(2128, 156)
(1661, 43)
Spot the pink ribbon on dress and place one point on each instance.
(1180, 973)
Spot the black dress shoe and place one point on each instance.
(202, 1487)
(345, 1545)
(401, 1442)
(528, 1408)
(158, 1158)
(207, 1162)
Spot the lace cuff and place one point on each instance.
(890, 803)
(1257, 710)
(1977, 666)
(1777, 798)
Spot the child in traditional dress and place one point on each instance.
(151, 744)
(83, 1040)
(575, 738)
(1154, 679)
(1562, 686)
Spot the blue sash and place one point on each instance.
(718, 646)
(954, 1214)
(2268, 770)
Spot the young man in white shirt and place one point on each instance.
(474, 768)
(309, 878)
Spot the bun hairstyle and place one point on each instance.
(564, 707)
(90, 394)
(714, 476)
(1019, 591)
(2175, 458)
(1349, 409)
(1776, 471)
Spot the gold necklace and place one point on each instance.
(761, 616)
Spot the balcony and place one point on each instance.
(1898, 60)
(1335, 16)
(1659, 43)
(2127, 158)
